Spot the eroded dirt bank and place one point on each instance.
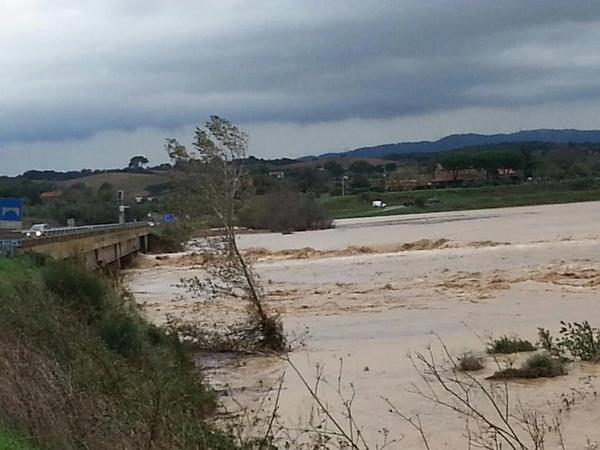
(474, 277)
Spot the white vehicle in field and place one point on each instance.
(37, 230)
(379, 204)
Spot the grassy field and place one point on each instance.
(457, 199)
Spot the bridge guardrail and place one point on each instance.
(66, 232)
(8, 247)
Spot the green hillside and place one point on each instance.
(82, 369)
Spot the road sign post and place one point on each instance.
(11, 213)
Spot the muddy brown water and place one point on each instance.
(368, 312)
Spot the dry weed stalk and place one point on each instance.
(258, 427)
(325, 429)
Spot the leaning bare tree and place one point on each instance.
(211, 178)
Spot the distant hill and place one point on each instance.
(456, 141)
(133, 184)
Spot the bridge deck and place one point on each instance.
(95, 245)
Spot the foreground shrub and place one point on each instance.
(512, 344)
(577, 340)
(580, 340)
(248, 335)
(539, 365)
(546, 341)
(469, 362)
(168, 238)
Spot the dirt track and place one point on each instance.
(491, 272)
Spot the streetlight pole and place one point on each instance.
(122, 207)
(385, 186)
(344, 179)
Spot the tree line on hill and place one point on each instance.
(298, 184)
(137, 164)
(502, 163)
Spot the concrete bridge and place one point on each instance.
(95, 246)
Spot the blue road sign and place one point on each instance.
(11, 210)
(170, 218)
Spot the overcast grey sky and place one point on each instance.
(90, 83)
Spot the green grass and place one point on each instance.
(9, 442)
(457, 199)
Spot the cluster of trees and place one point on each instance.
(87, 206)
(53, 175)
(320, 179)
(23, 188)
(544, 161)
(302, 211)
(262, 201)
(359, 166)
(138, 162)
(492, 163)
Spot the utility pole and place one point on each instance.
(122, 207)
(385, 186)
(121, 214)
(344, 179)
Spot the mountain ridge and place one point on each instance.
(462, 140)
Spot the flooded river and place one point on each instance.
(472, 275)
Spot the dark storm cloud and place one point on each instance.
(77, 68)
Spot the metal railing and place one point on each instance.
(64, 233)
(8, 247)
